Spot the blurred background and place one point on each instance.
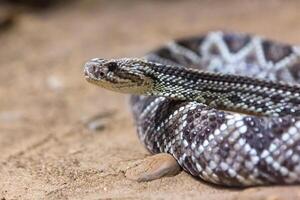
(50, 146)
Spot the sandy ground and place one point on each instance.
(46, 149)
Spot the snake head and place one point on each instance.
(120, 75)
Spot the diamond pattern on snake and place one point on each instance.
(225, 106)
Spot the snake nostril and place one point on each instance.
(97, 72)
(101, 74)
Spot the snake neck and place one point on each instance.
(224, 91)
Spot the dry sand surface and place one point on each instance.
(46, 149)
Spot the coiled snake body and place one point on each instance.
(226, 106)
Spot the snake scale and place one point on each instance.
(225, 105)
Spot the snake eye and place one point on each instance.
(112, 66)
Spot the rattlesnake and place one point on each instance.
(226, 106)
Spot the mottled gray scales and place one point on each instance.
(236, 42)
(275, 52)
(237, 127)
(294, 72)
(192, 43)
(260, 133)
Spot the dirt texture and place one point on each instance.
(48, 148)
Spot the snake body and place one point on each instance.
(226, 106)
